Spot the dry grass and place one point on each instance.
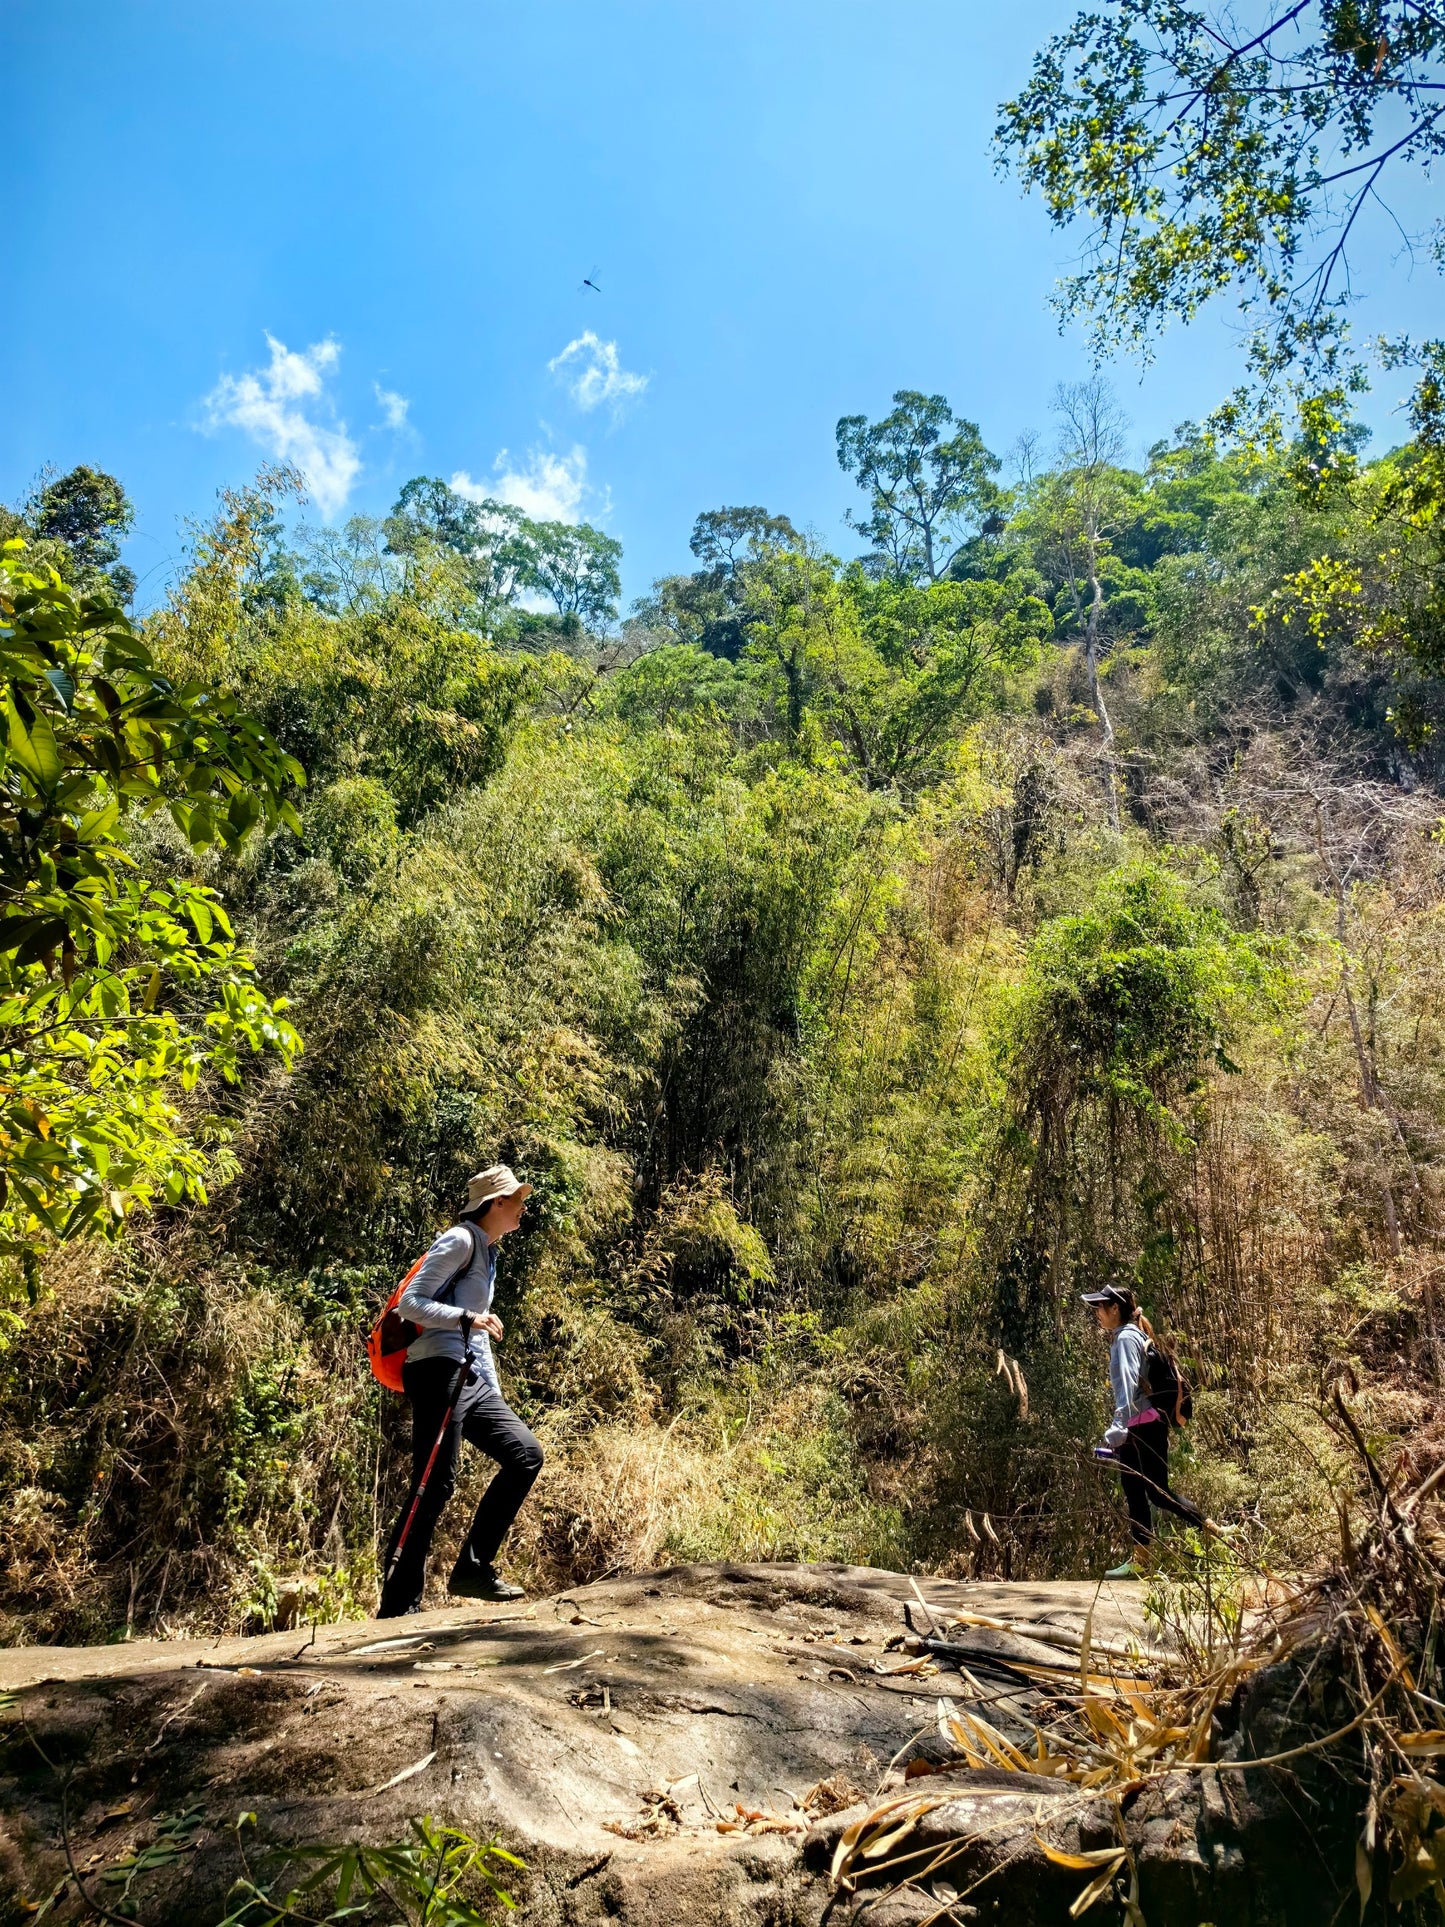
(629, 1495)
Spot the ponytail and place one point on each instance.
(1134, 1314)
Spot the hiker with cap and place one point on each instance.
(451, 1379)
(1138, 1439)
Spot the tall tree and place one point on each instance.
(576, 565)
(1072, 514)
(889, 670)
(89, 513)
(707, 609)
(494, 541)
(902, 667)
(791, 603)
(928, 491)
(726, 540)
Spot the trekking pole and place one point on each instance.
(466, 1372)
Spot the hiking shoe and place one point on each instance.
(1127, 1571)
(485, 1582)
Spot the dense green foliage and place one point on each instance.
(854, 982)
(117, 988)
(862, 957)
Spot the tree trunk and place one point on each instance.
(793, 671)
(1096, 694)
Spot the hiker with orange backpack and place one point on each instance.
(439, 1322)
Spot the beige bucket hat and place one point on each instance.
(497, 1181)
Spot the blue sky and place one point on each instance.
(355, 233)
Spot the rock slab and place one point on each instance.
(644, 1744)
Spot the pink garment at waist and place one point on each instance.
(1142, 1418)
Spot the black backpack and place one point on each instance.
(1169, 1390)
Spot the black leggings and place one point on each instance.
(1144, 1468)
(485, 1420)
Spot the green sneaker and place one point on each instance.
(1127, 1571)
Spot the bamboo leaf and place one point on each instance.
(847, 1840)
(879, 1844)
(1104, 1722)
(1110, 1857)
(1004, 1751)
(965, 1741)
(861, 1839)
(1097, 1889)
(1364, 1875)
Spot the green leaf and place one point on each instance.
(345, 1879)
(106, 754)
(63, 683)
(46, 935)
(96, 825)
(15, 930)
(34, 748)
(201, 829)
(244, 814)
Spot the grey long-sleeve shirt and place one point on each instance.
(1127, 1351)
(454, 1281)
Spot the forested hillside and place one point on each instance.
(861, 956)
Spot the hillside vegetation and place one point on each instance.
(861, 957)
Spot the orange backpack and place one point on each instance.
(391, 1335)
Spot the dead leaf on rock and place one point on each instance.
(661, 1815)
(760, 1820)
(832, 1795)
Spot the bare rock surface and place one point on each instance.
(644, 1744)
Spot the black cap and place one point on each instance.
(1110, 1295)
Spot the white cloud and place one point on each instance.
(269, 405)
(547, 487)
(593, 374)
(393, 405)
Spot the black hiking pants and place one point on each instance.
(485, 1420)
(1144, 1468)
